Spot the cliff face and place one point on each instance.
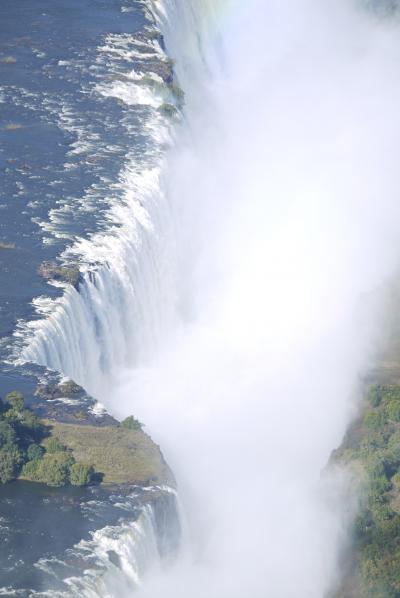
(371, 451)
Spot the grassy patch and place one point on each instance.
(58, 454)
(121, 454)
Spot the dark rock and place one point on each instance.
(52, 271)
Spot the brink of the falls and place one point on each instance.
(215, 256)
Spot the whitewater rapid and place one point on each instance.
(228, 305)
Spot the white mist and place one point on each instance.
(284, 183)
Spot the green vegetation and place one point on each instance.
(119, 454)
(52, 469)
(34, 452)
(20, 429)
(28, 450)
(57, 454)
(53, 445)
(55, 465)
(81, 474)
(131, 423)
(372, 447)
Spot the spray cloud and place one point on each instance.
(284, 182)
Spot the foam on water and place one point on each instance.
(266, 348)
(113, 561)
(113, 262)
(114, 316)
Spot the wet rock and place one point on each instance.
(68, 402)
(168, 110)
(52, 271)
(163, 68)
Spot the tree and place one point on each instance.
(54, 445)
(35, 451)
(30, 470)
(16, 400)
(131, 423)
(29, 427)
(54, 473)
(8, 436)
(54, 469)
(81, 474)
(10, 460)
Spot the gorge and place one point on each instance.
(223, 275)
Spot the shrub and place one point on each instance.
(378, 486)
(31, 421)
(374, 420)
(372, 441)
(81, 474)
(29, 428)
(374, 395)
(393, 410)
(35, 451)
(53, 445)
(382, 512)
(131, 423)
(16, 400)
(53, 469)
(8, 436)
(30, 470)
(10, 461)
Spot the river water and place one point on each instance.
(234, 213)
(74, 113)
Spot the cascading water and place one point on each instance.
(228, 308)
(114, 560)
(116, 315)
(124, 299)
(123, 307)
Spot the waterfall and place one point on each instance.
(116, 315)
(227, 304)
(126, 299)
(116, 558)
